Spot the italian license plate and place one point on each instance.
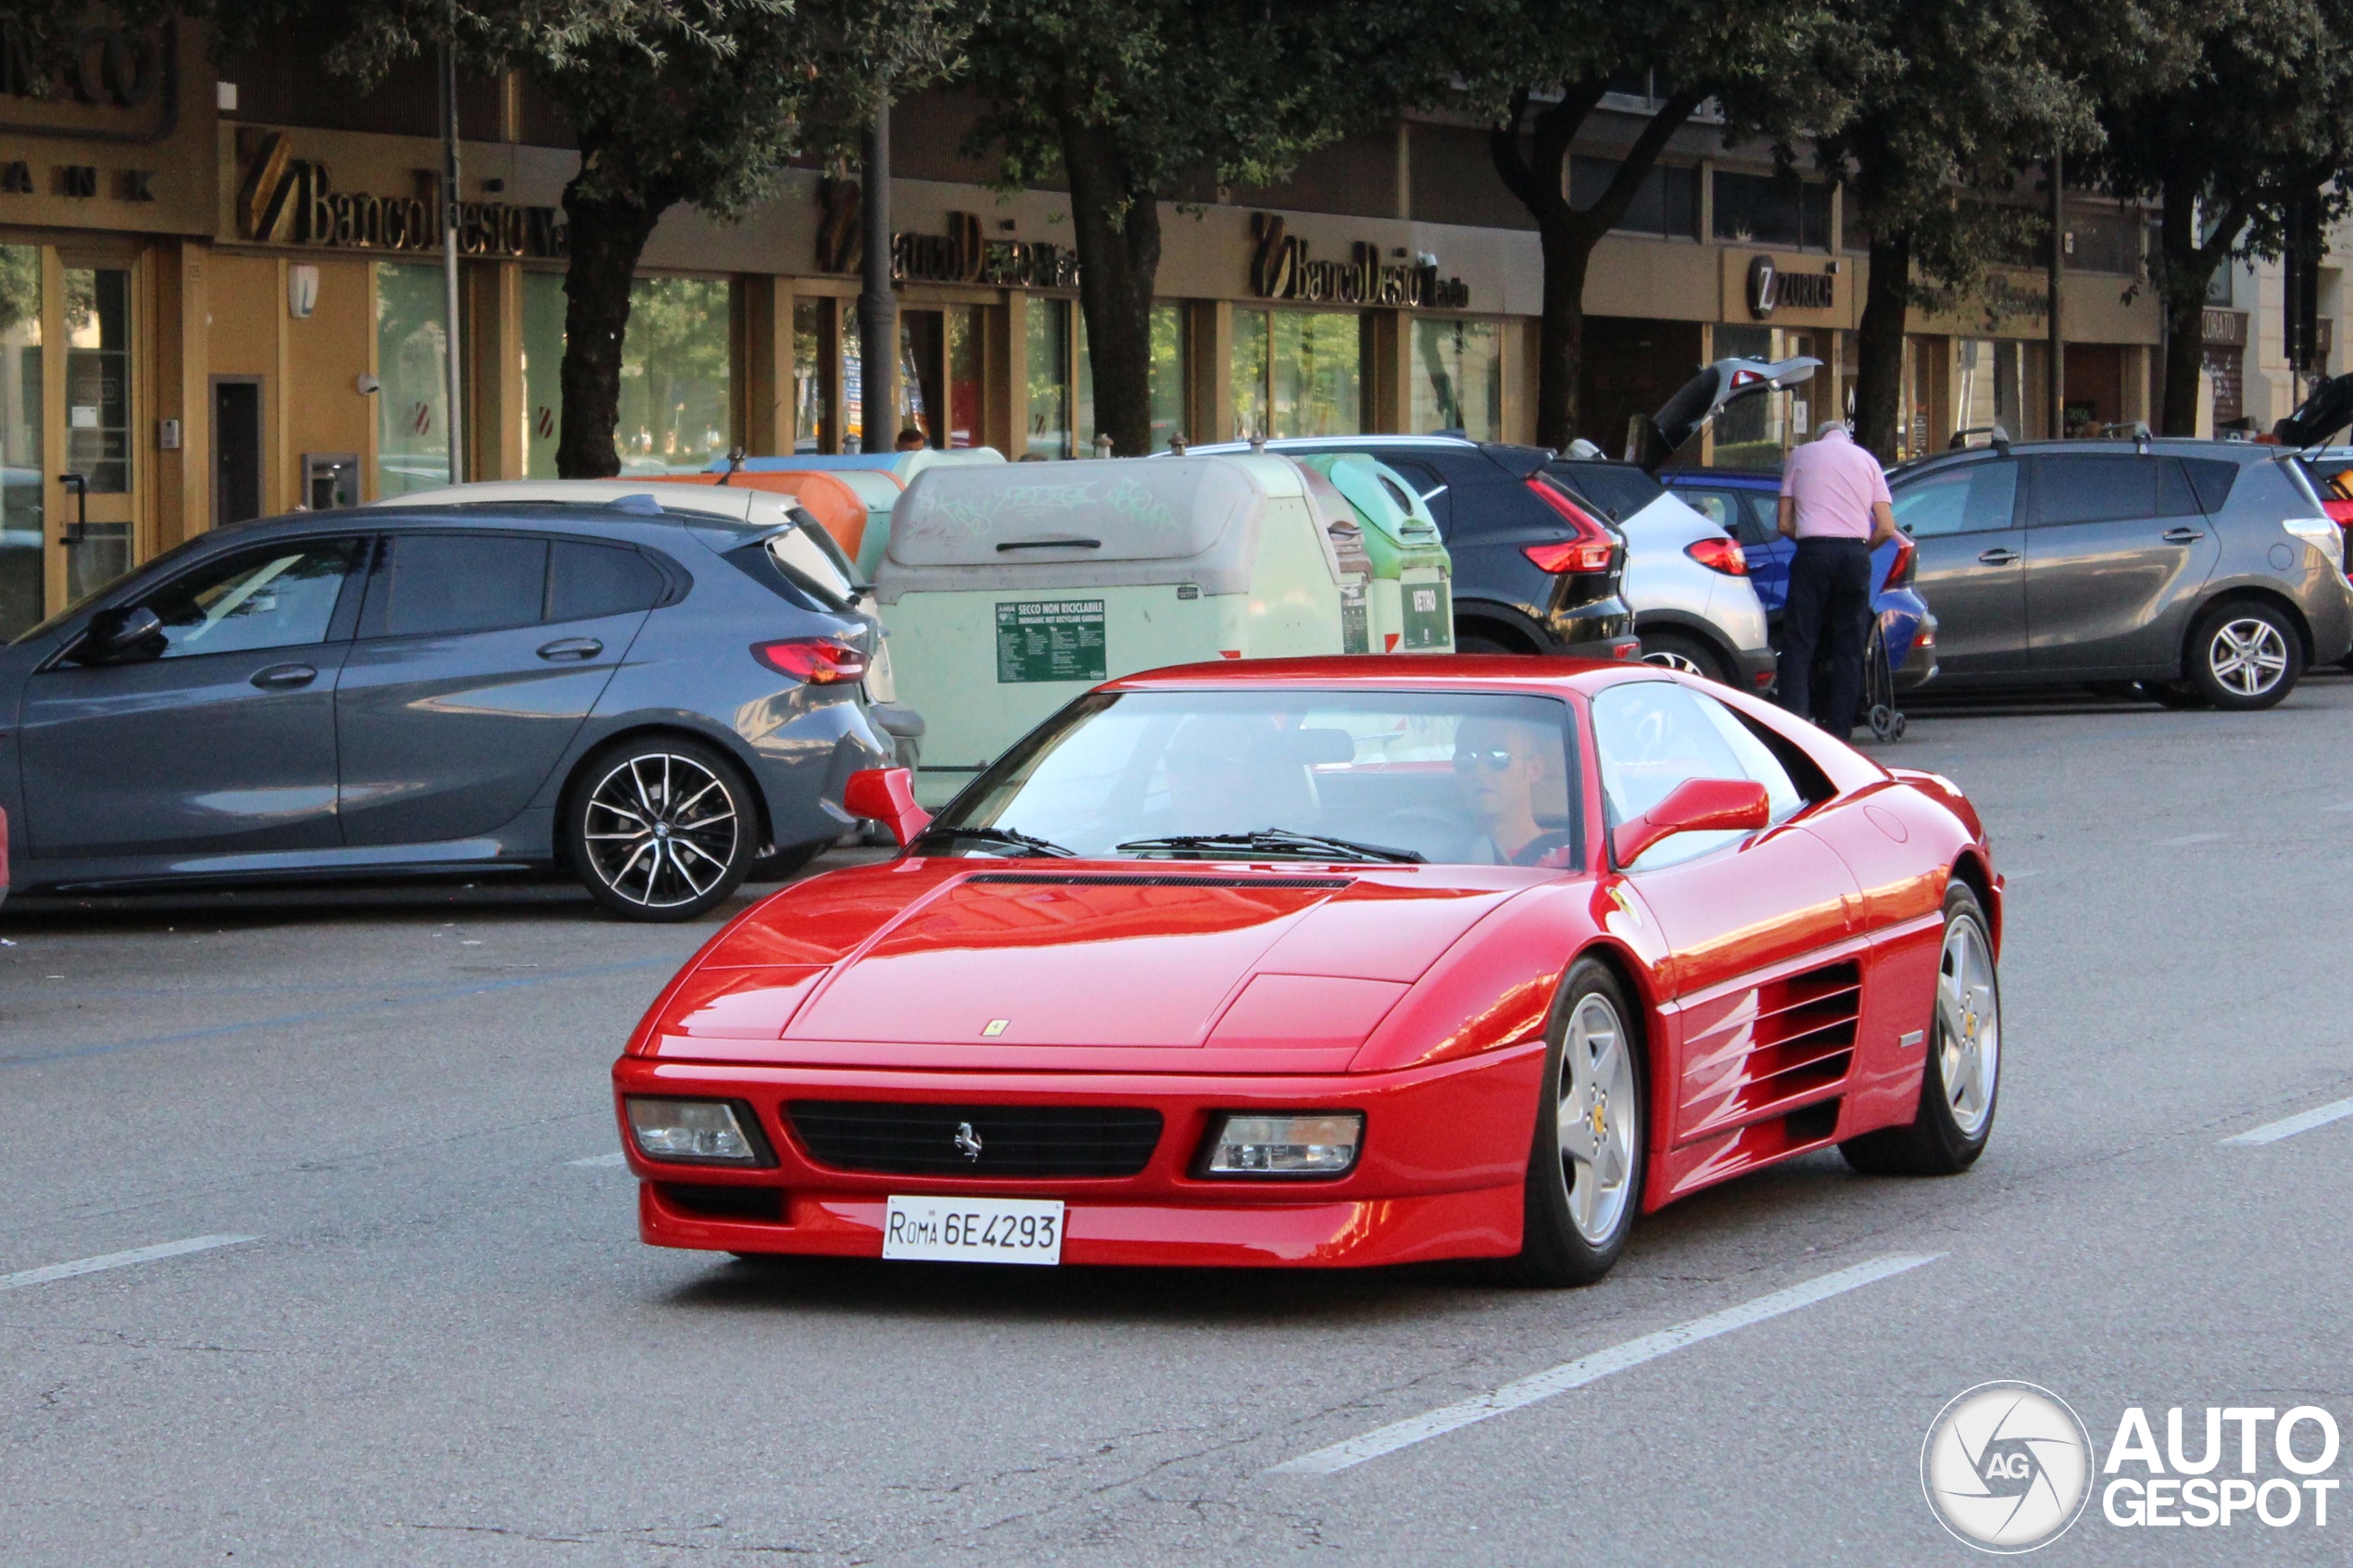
(974, 1230)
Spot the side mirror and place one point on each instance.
(888, 796)
(1694, 805)
(116, 636)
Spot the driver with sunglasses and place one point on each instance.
(1498, 766)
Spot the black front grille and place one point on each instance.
(1013, 1140)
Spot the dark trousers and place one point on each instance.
(1829, 611)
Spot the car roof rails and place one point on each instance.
(2135, 431)
(1996, 437)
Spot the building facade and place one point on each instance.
(221, 296)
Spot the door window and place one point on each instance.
(586, 581)
(2101, 489)
(1655, 735)
(445, 584)
(1974, 498)
(279, 597)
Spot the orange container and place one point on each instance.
(835, 506)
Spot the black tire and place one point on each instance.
(1558, 1247)
(1680, 650)
(1473, 643)
(678, 802)
(1937, 1142)
(2173, 693)
(2114, 691)
(784, 864)
(2243, 656)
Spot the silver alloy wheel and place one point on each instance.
(2248, 656)
(661, 830)
(1968, 1026)
(1598, 1120)
(1669, 659)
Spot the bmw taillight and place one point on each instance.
(1590, 550)
(820, 661)
(1719, 555)
(1908, 556)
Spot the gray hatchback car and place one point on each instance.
(646, 699)
(2207, 572)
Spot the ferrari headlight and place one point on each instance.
(1250, 1144)
(705, 1132)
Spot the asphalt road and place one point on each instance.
(443, 1343)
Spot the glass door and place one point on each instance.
(22, 399)
(97, 499)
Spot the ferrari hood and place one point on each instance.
(1114, 957)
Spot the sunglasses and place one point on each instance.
(1491, 759)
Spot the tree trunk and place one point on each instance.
(1879, 345)
(2187, 271)
(1560, 354)
(607, 235)
(1116, 224)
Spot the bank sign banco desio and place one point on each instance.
(289, 200)
(1282, 269)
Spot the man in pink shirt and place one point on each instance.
(1834, 503)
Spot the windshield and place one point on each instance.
(1460, 778)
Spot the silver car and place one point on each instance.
(2207, 572)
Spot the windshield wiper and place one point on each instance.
(1274, 840)
(1007, 837)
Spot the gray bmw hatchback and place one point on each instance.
(650, 701)
(2207, 571)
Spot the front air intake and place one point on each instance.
(976, 1141)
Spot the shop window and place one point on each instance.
(1762, 209)
(1168, 375)
(1047, 332)
(676, 376)
(923, 371)
(413, 402)
(22, 464)
(1665, 203)
(543, 362)
(1458, 377)
(813, 332)
(1298, 372)
(97, 330)
(964, 329)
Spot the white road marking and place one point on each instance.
(2302, 1122)
(119, 1259)
(601, 1159)
(1592, 1369)
(2189, 838)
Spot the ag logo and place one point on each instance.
(2006, 1467)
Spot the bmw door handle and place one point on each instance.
(1996, 557)
(2183, 536)
(284, 677)
(571, 648)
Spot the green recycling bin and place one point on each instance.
(1009, 589)
(1412, 587)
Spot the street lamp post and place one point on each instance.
(877, 307)
(450, 211)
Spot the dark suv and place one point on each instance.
(2205, 571)
(1534, 570)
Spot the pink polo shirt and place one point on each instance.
(1834, 482)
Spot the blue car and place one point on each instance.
(1745, 504)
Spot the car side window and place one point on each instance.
(1719, 507)
(1970, 498)
(2212, 479)
(2105, 488)
(281, 596)
(1655, 735)
(586, 581)
(439, 584)
(1436, 494)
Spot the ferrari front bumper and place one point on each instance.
(1440, 1175)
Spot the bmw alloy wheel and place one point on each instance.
(1670, 658)
(1968, 1026)
(2248, 656)
(661, 830)
(1597, 1119)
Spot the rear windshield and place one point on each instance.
(1619, 489)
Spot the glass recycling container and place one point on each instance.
(1411, 592)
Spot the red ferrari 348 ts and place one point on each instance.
(1335, 962)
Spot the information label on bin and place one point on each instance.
(1355, 618)
(1429, 617)
(1050, 640)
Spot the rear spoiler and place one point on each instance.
(1650, 442)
